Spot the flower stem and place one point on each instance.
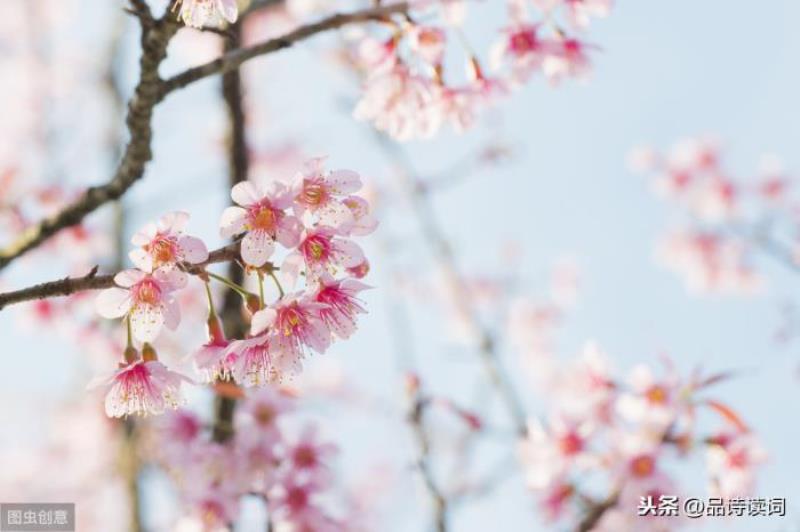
(261, 288)
(230, 284)
(278, 284)
(211, 312)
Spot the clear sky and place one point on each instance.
(666, 70)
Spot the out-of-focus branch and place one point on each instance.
(595, 512)
(150, 90)
(238, 170)
(233, 59)
(437, 495)
(92, 281)
(155, 38)
(444, 255)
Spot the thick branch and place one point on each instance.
(238, 170)
(92, 281)
(155, 39)
(150, 90)
(234, 59)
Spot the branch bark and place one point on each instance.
(92, 281)
(151, 90)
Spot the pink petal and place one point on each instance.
(194, 250)
(261, 320)
(173, 222)
(113, 302)
(290, 269)
(245, 194)
(145, 235)
(170, 278)
(146, 322)
(232, 221)
(288, 233)
(141, 259)
(128, 278)
(257, 247)
(343, 181)
(348, 253)
(172, 314)
(337, 215)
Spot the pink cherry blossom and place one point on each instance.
(163, 243)
(549, 453)
(341, 304)
(320, 193)
(566, 57)
(145, 299)
(251, 361)
(732, 461)
(212, 358)
(363, 222)
(259, 414)
(321, 250)
(261, 216)
(429, 43)
(200, 13)
(308, 454)
(141, 387)
(521, 49)
(400, 103)
(295, 324)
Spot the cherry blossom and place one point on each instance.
(340, 304)
(146, 300)
(321, 194)
(141, 387)
(261, 216)
(163, 243)
(321, 250)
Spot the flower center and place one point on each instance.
(163, 250)
(148, 292)
(313, 193)
(264, 218)
(305, 457)
(523, 42)
(291, 320)
(316, 248)
(571, 444)
(657, 395)
(642, 466)
(265, 415)
(296, 498)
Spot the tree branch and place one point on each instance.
(234, 59)
(438, 497)
(92, 281)
(150, 90)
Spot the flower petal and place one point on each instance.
(232, 221)
(257, 247)
(113, 302)
(261, 320)
(245, 193)
(343, 181)
(194, 250)
(146, 321)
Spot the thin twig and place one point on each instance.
(234, 59)
(437, 495)
(91, 281)
(151, 90)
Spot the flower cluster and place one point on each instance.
(408, 92)
(727, 219)
(314, 219)
(610, 441)
(290, 470)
